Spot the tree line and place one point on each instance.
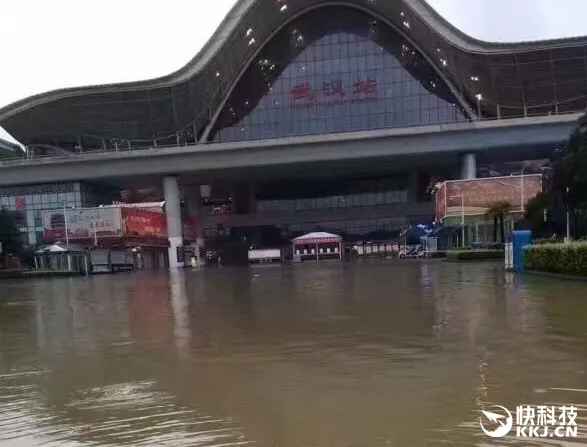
(11, 239)
(564, 190)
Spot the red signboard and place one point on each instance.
(138, 222)
(473, 197)
(334, 91)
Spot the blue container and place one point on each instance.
(520, 238)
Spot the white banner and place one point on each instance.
(82, 224)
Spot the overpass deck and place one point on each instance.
(402, 146)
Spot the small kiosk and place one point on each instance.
(62, 258)
(317, 246)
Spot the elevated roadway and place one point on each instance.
(511, 139)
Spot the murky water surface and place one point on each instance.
(329, 355)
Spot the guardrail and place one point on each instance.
(34, 159)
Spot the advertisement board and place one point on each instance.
(143, 223)
(473, 197)
(81, 224)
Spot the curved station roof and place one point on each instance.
(195, 102)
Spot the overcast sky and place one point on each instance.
(64, 43)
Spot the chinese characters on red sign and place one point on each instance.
(333, 88)
(144, 223)
(367, 86)
(301, 91)
(334, 91)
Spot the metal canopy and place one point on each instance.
(503, 79)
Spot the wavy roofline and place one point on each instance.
(213, 46)
(207, 133)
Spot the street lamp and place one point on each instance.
(522, 205)
(479, 98)
(462, 217)
(65, 207)
(568, 218)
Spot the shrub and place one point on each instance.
(568, 259)
(550, 240)
(495, 246)
(475, 255)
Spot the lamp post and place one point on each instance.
(462, 217)
(65, 224)
(65, 207)
(522, 204)
(479, 98)
(568, 219)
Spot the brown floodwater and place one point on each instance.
(324, 355)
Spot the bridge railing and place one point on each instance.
(31, 158)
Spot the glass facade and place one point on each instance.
(335, 70)
(288, 208)
(351, 230)
(330, 202)
(28, 203)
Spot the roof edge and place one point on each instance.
(469, 43)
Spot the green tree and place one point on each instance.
(536, 214)
(499, 210)
(565, 185)
(9, 234)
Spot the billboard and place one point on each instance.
(144, 223)
(473, 197)
(81, 224)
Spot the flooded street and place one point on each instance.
(331, 355)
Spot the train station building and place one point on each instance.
(301, 116)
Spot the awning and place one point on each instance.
(58, 247)
(317, 237)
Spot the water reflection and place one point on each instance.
(371, 354)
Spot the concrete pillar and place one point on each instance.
(181, 316)
(174, 226)
(468, 166)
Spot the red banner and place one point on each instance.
(143, 223)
